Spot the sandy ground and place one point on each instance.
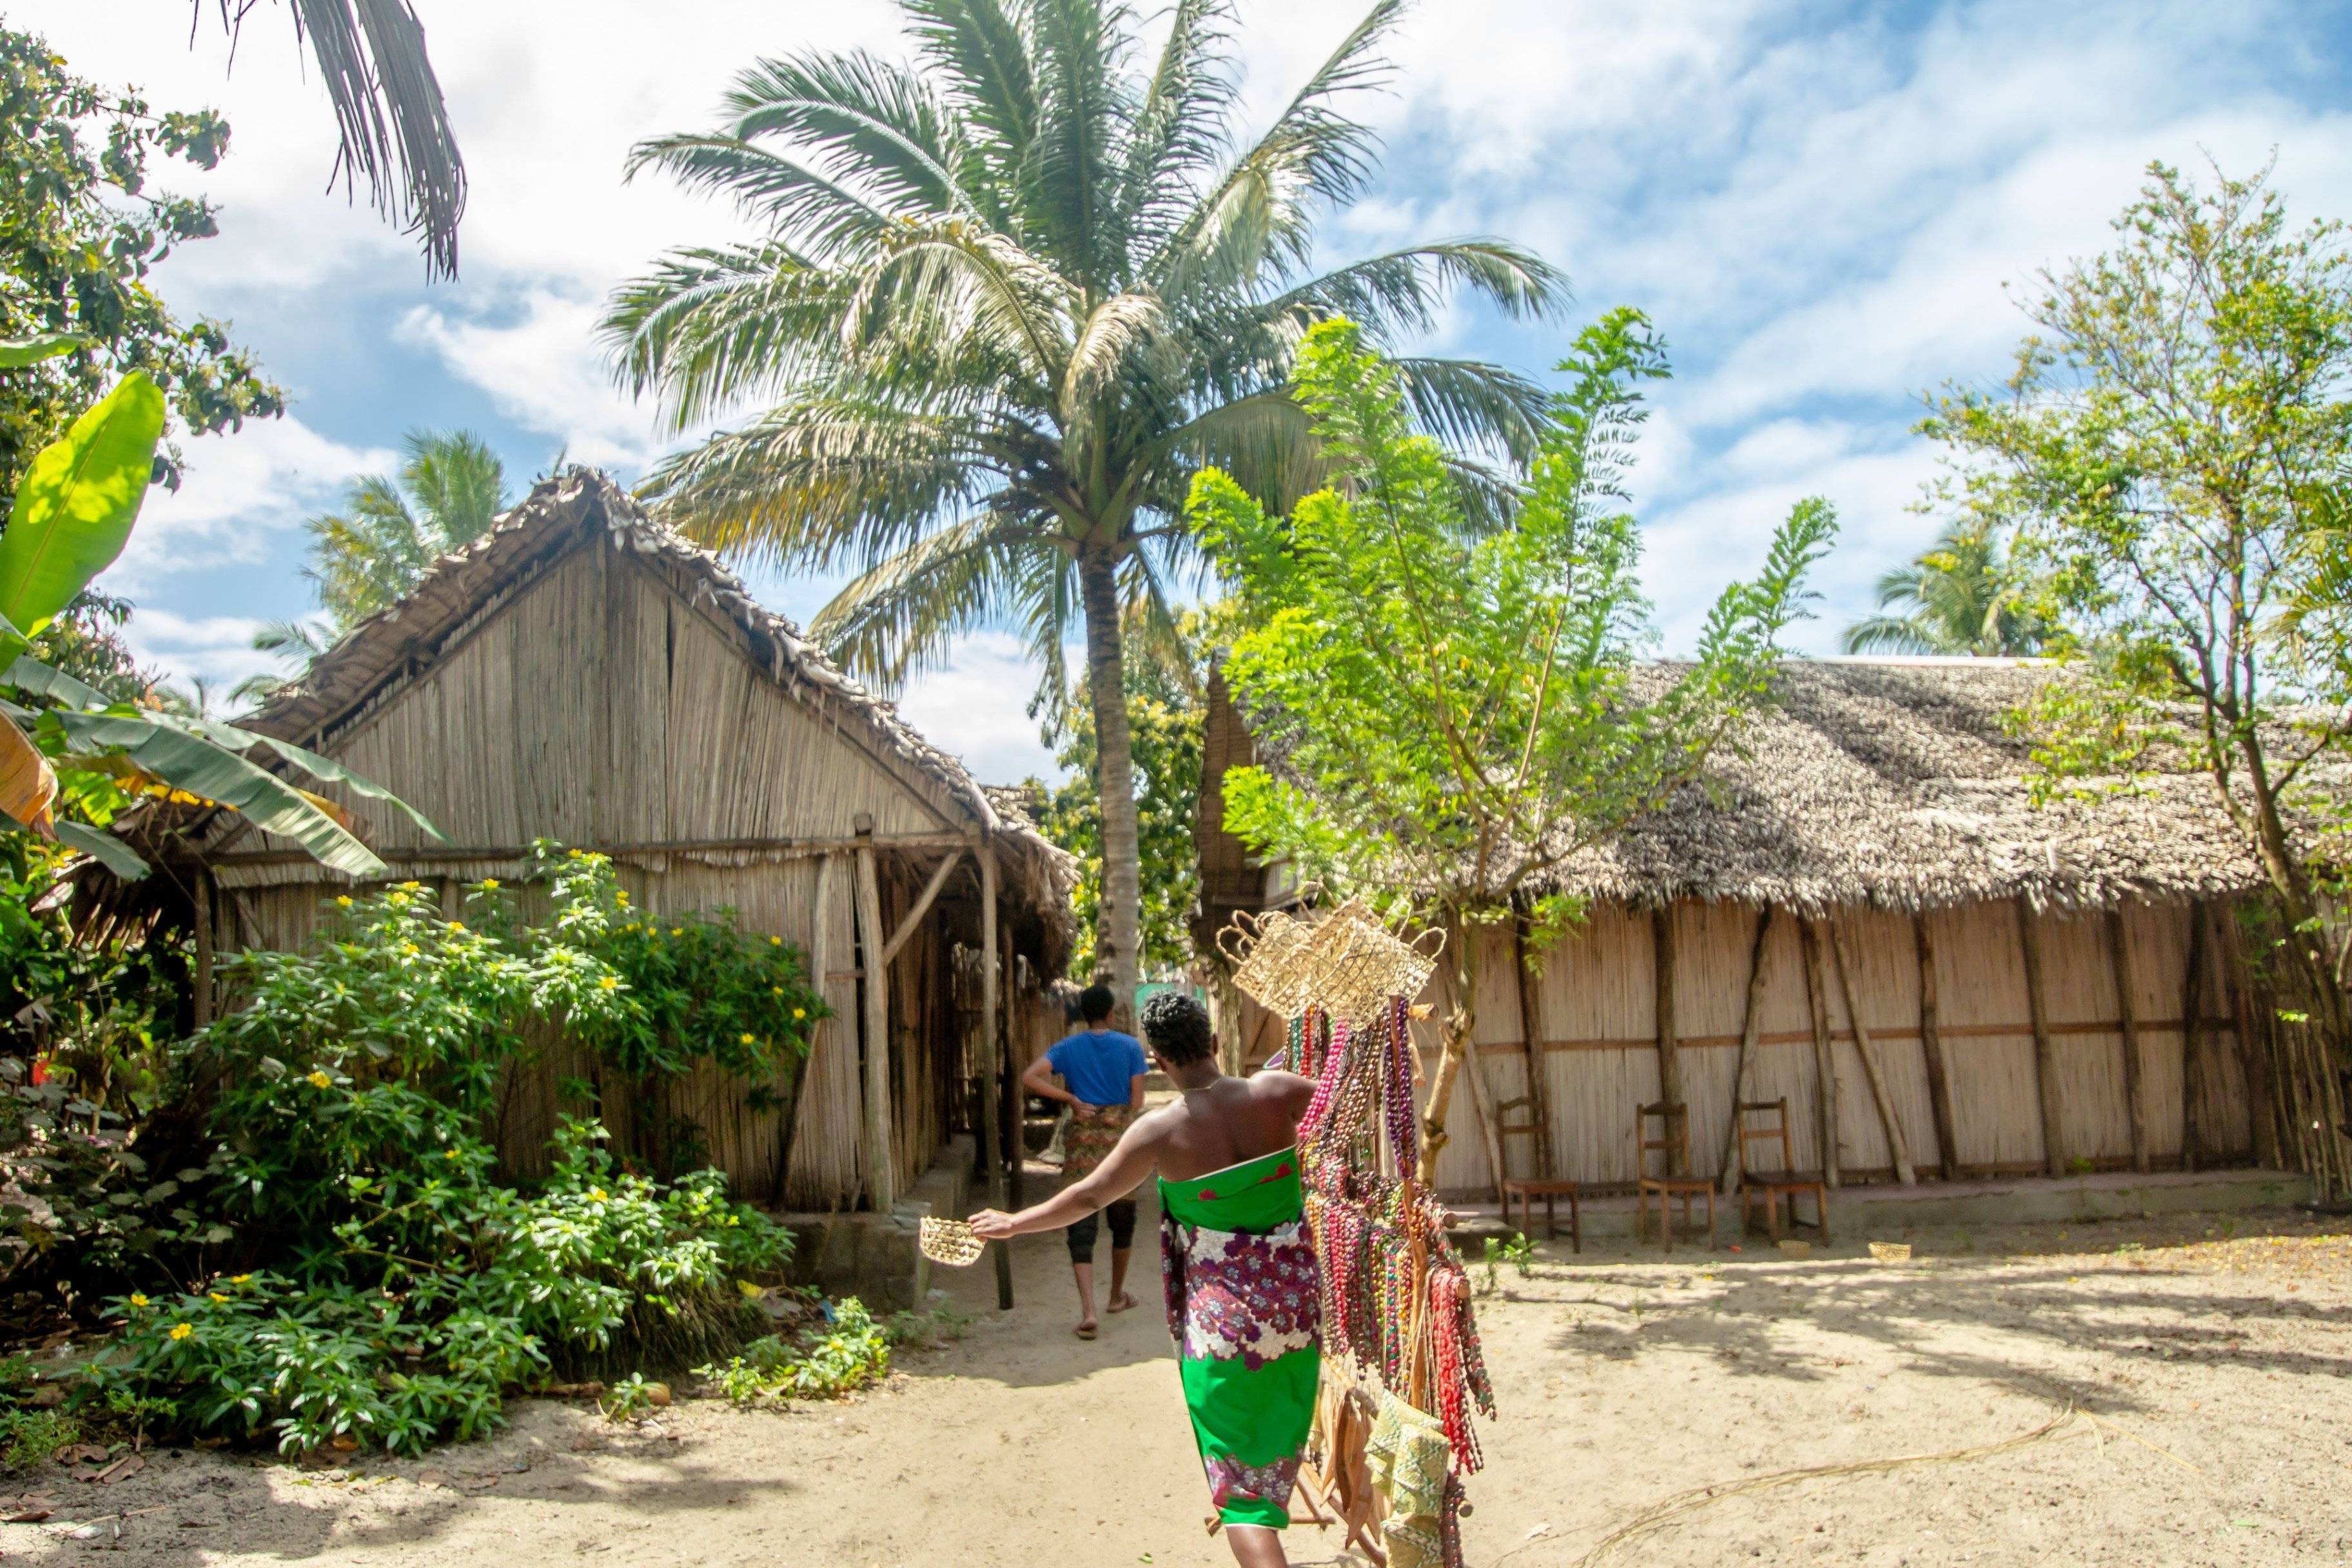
(2213, 1350)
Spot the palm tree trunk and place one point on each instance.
(1120, 919)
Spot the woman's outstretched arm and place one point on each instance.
(1117, 1176)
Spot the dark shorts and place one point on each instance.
(1123, 1230)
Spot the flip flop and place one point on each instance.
(1126, 1303)
(1087, 1332)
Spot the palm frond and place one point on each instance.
(1180, 134)
(710, 327)
(870, 122)
(896, 619)
(980, 53)
(825, 217)
(393, 127)
(1892, 633)
(457, 483)
(1399, 293)
(1072, 188)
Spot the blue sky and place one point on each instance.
(1821, 205)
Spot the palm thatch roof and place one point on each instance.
(377, 659)
(1883, 782)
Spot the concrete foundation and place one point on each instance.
(1858, 1212)
(876, 1258)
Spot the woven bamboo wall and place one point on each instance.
(599, 703)
(1598, 1020)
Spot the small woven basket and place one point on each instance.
(951, 1242)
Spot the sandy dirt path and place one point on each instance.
(2218, 1352)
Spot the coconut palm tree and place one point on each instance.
(367, 556)
(1012, 298)
(392, 127)
(1959, 598)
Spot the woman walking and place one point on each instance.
(1237, 1261)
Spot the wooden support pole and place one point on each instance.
(1670, 1059)
(202, 980)
(2193, 1151)
(1016, 1149)
(820, 955)
(1531, 1044)
(923, 906)
(1897, 1145)
(1825, 1079)
(991, 1051)
(2127, 1013)
(881, 1164)
(1733, 1156)
(1490, 1130)
(2045, 1057)
(2253, 1050)
(1931, 1046)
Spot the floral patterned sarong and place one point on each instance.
(1093, 1133)
(1244, 1306)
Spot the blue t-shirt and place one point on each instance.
(1100, 1066)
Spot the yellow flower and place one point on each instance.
(216, 1296)
(182, 1330)
(320, 1080)
(413, 887)
(775, 942)
(450, 1155)
(573, 854)
(608, 984)
(409, 948)
(800, 1012)
(489, 884)
(343, 902)
(239, 1279)
(622, 897)
(677, 931)
(457, 925)
(136, 1299)
(746, 1038)
(596, 1194)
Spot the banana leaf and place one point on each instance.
(28, 786)
(15, 353)
(103, 847)
(29, 674)
(75, 505)
(332, 771)
(183, 753)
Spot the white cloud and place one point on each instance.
(976, 707)
(244, 496)
(217, 649)
(540, 364)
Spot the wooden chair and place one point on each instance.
(1776, 1183)
(1526, 1189)
(1673, 1146)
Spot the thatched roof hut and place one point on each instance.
(580, 673)
(2038, 987)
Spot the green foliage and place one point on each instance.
(81, 229)
(1453, 716)
(437, 1290)
(851, 1352)
(2169, 454)
(1163, 679)
(1960, 598)
(1008, 298)
(369, 555)
(75, 504)
(401, 1023)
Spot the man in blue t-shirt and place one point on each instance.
(1102, 1083)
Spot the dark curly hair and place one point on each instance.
(1177, 1028)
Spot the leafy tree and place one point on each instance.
(1012, 298)
(81, 229)
(1164, 716)
(1960, 598)
(2170, 450)
(1455, 718)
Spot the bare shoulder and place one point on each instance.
(1153, 1126)
(1276, 1084)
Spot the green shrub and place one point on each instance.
(852, 1350)
(393, 1285)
